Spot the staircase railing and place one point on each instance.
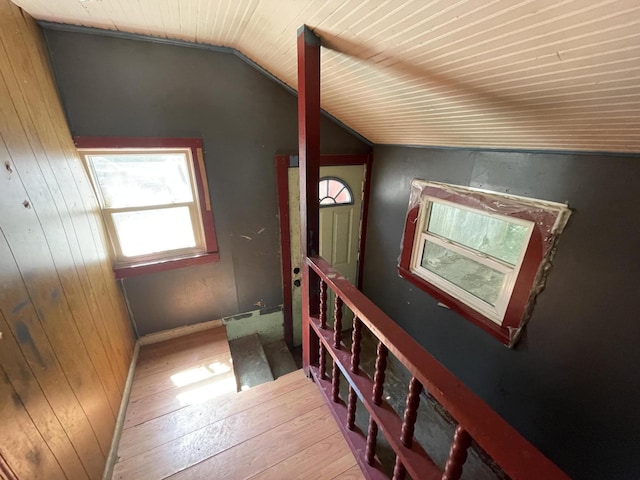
(475, 420)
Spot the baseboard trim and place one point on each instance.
(178, 332)
(112, 458)
(115, 441)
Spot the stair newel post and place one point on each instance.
(356, 338)
(378, 378)
(457, 454)
(309, 167)
(337, 322)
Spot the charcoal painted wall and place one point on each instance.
(572, 385)
(123, 87)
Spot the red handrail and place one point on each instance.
(517, 457)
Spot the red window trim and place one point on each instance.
(539, 251)
(197, 153)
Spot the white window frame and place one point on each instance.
(495, 312)
(122, 261)
(526, 279)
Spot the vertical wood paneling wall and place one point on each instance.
(66, 340)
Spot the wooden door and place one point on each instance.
(340, 229)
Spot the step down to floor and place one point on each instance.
(279, 358)
(249, 362)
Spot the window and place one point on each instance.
(332, 191)
(482, 254)
(154, 199)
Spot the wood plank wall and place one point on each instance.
(66, 340)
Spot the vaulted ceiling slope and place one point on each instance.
(536, 74)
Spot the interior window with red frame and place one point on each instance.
(154, 199)
(482, 254)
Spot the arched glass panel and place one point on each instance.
(332, 191)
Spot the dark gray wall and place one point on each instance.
(572, 385)
(122, 87)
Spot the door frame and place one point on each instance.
(283, 162)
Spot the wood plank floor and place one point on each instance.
(185, 420)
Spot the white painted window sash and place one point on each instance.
(494, 313)
(107, 212)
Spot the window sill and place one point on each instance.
(452, 303)
(164, 265)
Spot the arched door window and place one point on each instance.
(332, 191)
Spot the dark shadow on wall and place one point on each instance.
(124, 87)
(572, 384)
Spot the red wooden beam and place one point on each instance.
(309, 137)
(309, 158)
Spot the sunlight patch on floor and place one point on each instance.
(194, 375)
(212, 389)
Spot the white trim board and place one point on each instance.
(112, 457)
(178, 332)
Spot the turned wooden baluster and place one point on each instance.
(356, 338)
(323, 362)
(323, 324)
(337, 323)
(457, 454)
(323, 304)
(411, 412)
(378, 378)
(335, 382)
(351, 410)
(408, 424)
(399, 472)
(372, 438)
(355, 368)
(378, 387)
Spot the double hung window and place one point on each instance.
(480, 253)
(154, 200)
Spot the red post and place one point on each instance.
(309, 157)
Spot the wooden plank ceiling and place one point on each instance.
(540, 74)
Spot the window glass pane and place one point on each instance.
(152, 231)
(477, 279)
(133, 180)
(496, 237)
(333, 191)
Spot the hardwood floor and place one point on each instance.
(185, 420)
